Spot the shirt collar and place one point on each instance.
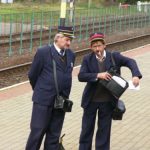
(58, 49)
(103, 58)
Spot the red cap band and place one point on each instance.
(96, 36)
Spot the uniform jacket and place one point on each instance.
(41, 75)
(89, 69)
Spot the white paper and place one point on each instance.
(119, 80)
(132, 87)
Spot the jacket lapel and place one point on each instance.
(70, 61)
(68, 58)
(94, 63)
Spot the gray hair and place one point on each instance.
(58, 35)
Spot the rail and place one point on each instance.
(18, 73)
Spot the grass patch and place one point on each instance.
(27, 7)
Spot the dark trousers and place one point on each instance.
(45, 121)
(104, 126)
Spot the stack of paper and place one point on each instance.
(119, 80)
(132, 87)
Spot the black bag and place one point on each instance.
(61, 147)
(119, 110)
(116, 90)
(63, 104)
(114, 85)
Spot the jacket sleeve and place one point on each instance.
(130, 63)
(36, 68)
(85, 75)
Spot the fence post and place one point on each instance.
(129, 20)
(134, 17)
(100, 21)
(41, 28)
(74, 21)
(71, 11)
(105, 22)
(87, 26)
(139, 6)
(125, 20)
(21, 34)
(50, 27)
(31, 35)
(80, 35)
(66, 19)
(10, 37)
(110, 23)
(138, 21)
(93, 16)
(0, 25)
(120, 24)
(145, 7)
(148, 19)
(115, 25)
(145, 16)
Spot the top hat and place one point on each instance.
(66, 31)
(96, 37)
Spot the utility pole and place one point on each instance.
(71, 10)
(89, 3)
(63, 12)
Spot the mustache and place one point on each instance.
(99, 53)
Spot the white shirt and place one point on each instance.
(58, 49)
(103, 57)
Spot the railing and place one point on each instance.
(43, 25)
(143, 6)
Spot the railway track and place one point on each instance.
(18, 73)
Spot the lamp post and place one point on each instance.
(63, 12)
(72, 10)
(89, 3)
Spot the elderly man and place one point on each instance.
(45, 119)
(96, 98)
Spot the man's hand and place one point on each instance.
(104, 76)
(135, 81)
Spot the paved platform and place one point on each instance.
(132, 133)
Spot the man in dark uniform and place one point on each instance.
(97, 99)
(45, 119)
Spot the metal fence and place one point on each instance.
(40, 27)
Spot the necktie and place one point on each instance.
(62, 52)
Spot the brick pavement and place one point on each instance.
(132, 133)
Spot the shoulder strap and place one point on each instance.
(113, 61)
(55, 76)
(55, 73)
(114, 64)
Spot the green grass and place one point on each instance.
(45, 7)
(17, 11)
(27, 7)
(36, 7)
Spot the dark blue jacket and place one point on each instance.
(41, 75)
(89, 69)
